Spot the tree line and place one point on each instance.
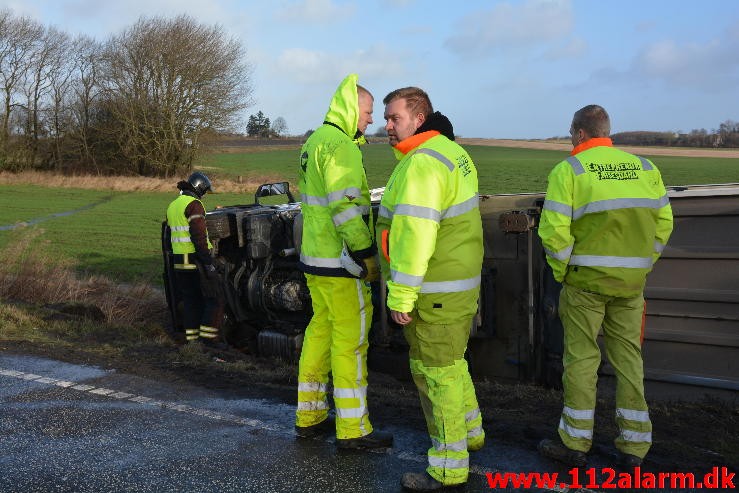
(727, 135)
(136, 103)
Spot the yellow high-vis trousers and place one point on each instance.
(583, 314)
(447, 396)
(336, 341)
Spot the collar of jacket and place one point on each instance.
(359, 137)
(190, 193)
(590, 143)
(407, 145)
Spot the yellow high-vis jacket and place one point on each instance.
(606, 219)
(430, 230)
(333, 189)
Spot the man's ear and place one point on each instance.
(420, 120)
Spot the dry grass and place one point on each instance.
(118, 183)
(28, 274)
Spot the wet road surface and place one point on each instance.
(72, 428)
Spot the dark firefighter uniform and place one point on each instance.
(203, 309)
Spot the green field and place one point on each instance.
(500, 169)
(117, 234)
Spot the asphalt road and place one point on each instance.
(72, 428)
(75, 428)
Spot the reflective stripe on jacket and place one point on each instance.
(333, 189)
(434, 245)
(605, 221)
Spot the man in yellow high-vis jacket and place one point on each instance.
(605, 221)
(337, 236)
(430, 233)
(195, 275)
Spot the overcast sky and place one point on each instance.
(500, 69)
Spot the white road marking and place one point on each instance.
(232, 418)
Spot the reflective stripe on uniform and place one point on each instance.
(361, 360)
(312, 387)
(475, 432)
(331, 197)
(458, 446)
(313, 200)
(320, 261)
(437, 155)
(632, 414)
(352, 412)
(458, 209)
(659, 247)
(429, 213)
(359, 393)
(646, 165)
(579, 413)
(611, 261)
(340, 194)
(195, 216)
(470, 415)
(575, 432)
(447, 463)
(636, 436)
(450, 286)
(561, 255)
(312, 405)
(407, 279)
(615, 204)
(554, 206)
(576, 165)
(418, 211)
(175, 239)
(180, 228)
(348, 214)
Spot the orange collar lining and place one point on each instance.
(407, 145)
(590, 143)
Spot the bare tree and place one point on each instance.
(85, 92)
(18, 40)
(279, 127)
(44, 89)
(166, 80)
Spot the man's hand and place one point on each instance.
(400, 318)
(371, 268)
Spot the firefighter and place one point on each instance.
(338, 257)
(430, 233)
(195, 275)
(605, 221)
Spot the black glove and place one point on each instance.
(371, 269)
(210, 272)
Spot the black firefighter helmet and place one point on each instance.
(198, 183)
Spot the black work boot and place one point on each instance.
(422, 481)
(376, 439)
(628, 461)
(557, 451)
(322, 429)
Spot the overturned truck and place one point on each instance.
(692, 318)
